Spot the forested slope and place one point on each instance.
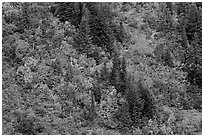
(101, 68)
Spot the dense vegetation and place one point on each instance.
(102, 68)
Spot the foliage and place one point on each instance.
(110, 71)
(96, 25)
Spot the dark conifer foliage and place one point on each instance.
(69, 11)
(102, 29)
(141, 103)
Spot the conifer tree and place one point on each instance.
(83, 40)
